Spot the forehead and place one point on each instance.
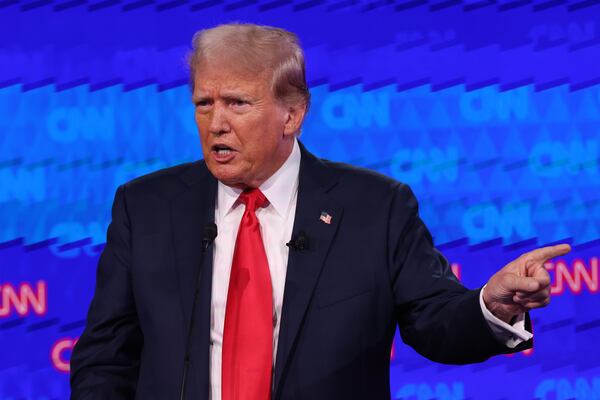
(229, 76)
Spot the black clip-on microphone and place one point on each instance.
(298, 243)
(209, 234)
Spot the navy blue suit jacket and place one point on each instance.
(372, 268)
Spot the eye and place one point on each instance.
(203, 106)
(239, 103)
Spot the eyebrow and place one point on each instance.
(232, 94)
(227, 95)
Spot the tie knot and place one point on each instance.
(253, 198)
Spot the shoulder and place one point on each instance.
(372, 201)
(363, 181)
(166, 182)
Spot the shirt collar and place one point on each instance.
(279, 189)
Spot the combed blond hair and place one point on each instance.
(258, 49)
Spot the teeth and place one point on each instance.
(223, 152)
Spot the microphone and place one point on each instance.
(298, 243)
(209, 233)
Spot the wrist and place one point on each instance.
(496, 309)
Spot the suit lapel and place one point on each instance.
(191, 210)
(304, 266)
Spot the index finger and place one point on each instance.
(545, 253)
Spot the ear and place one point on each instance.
(294, 117)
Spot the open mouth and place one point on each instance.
(222, 150)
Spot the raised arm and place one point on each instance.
(437, 316)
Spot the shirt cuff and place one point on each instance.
(510, 335)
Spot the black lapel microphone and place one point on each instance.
(209, 233)
(298, 243)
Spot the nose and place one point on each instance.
(219, 123)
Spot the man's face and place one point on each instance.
(242, 126)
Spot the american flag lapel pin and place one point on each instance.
(325, 217)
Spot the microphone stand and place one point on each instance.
(210, 233)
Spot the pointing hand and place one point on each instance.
(523, 284)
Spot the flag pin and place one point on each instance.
(325, 217)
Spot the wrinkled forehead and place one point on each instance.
(226, 72)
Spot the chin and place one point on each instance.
(231, 182)
(225, 175)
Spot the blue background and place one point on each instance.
(490, 110)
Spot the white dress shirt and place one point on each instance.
(276, 224)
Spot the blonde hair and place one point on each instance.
(259, 49)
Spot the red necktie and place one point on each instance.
(248, 330)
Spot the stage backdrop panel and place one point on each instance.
(490, 110)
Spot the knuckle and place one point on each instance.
(546, 301)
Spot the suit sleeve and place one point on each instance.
(105, 360)
(437, 316)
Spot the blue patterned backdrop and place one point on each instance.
(489, 109)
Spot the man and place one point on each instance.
(311, 320)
